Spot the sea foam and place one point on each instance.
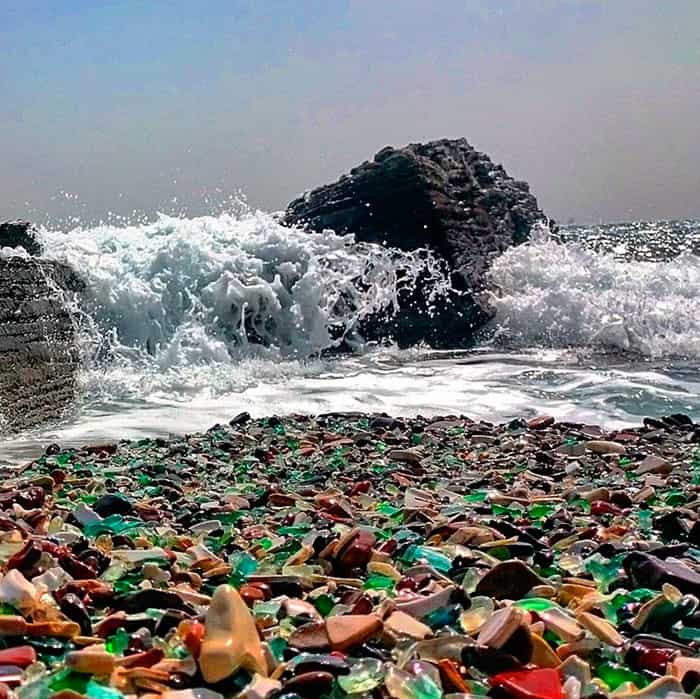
(178, 304)
(553, 294)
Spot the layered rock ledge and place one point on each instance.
(39, 353)
(443, 195)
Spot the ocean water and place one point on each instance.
(188, 321)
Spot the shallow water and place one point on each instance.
(483, 384)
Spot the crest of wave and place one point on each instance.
(168, 301)
(562, 295)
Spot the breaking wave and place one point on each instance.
(182, 305)
(556, 294)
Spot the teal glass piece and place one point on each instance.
(687, 633)
(445, 616)
(246, 565)
(406, 535)
(277, 646)
(603, 570)
(434, 558)
(423, 687)
(644, 521)
(95, 690)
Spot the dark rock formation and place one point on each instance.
(443, 195)
(39, 354)
(19, 234)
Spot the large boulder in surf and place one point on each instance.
(39, 350)
(443, 195)
(19, 234)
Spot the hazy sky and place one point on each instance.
(154, 104)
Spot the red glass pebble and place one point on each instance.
(541, 422)
(360, 487)
(192, 635)
(643, 657)
(600, 507)
(530, 684)
(21, 656)
(251, 595)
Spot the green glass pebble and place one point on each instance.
(229, 517)
(66, 679)
(540, 511)
(294, 530)
(512, 511)
(536, 604)
(404, 535)
(118, 642)
(48, 647)
(324, 604)
(478, 689)
(365, 675)
(614, 675)
(379, 582)
(266, 609)
(123, 586)
(641, 594)
(114, 524)
(674, 498)
(476, 496)
(390, 511)
(582, 504)
(500, 552)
